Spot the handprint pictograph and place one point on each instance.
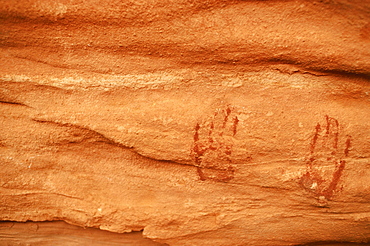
(326, 162)
(213, 143)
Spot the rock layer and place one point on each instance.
(198, 122)
(60, 233)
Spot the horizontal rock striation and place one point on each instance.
(196, 122)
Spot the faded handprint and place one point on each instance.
(326, 161)
(213, 143)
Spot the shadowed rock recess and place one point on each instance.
(185, 122)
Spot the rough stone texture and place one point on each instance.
(198, 122)
(59, 233)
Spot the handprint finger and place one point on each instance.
(331, 135)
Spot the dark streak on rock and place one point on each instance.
(100, 138)
(89, 134)
(14, 103)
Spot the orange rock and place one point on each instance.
(198, 122)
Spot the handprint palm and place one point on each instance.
(213, 142)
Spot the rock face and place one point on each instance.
(198, 122)
(60, 233)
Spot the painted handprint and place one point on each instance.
(213, 143)
(326, 162)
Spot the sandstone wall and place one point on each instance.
(197, 122)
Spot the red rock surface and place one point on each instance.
(198, 122)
